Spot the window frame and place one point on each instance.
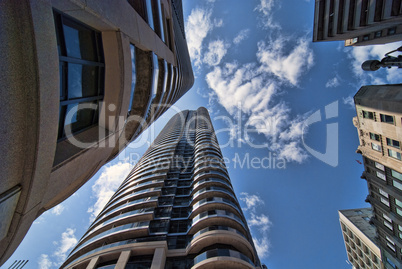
(61, 20)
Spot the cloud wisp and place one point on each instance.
(333, 82)
(198, 25)
(259, 223)
(265, 8)
(66, 244)
(106, 185)
(255, 85)
(216, 51)
(242, 35)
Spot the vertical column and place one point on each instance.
(123, 259)
(158, 262)
(92, 264)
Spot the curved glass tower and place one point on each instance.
(176, 209)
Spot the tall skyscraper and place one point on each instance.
(379, 126)
(359, 235)
(79, 80)
(358, 22)
(176, 208)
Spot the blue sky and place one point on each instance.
(261, 78)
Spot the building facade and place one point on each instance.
(378, 122)
(80, 80)
(359, 235)
(175, 209)
(358, 22)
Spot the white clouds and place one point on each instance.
(57, 210)
(260, 222)
(262, 246)
(333, 82)
(106, 185)
(254, 88)
(198, 25)
(251, 200)
(243, 34)
(265, 7)
(286, 67)
(362, 53)
(44, 262)
(349, 102)
(67, 242)
(216, 50)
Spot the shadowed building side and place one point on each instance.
(79, 81)
(358, 22)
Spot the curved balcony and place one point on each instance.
(119, 219)
(215, 203)
(222, 258)
(217, 170)
(211, 181)
(212, 191)
(216, 217)
(104, 214)
(140, 194)
(221, 235)
(135, 229)
(137, 186)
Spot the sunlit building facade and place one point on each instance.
(358, 22)
(175, 209)
(359, 235)
(80, 80)
(378, 123)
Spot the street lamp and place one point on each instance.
(387, 61)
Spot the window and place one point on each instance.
(81, 66)
(375, 136)
(162, 212)
(376, 147)
(384, 201)
(387, 218)
(377, 34)
(380, 166)
(392, 31)
(390, 243)
(394, 154)
(388, 225)
(393, 143)
(179, 226)
(180, 212)
(368, 115)
(383, 193)
(387, 118)
(381, 175)
(396, 174)
(157, 226)
(398, 203)
(397, 185)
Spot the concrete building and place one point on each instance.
(175, 209)
(378, 122)
(359, 235)
(79, 80)
(358, 22)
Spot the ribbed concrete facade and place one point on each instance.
(379, 126)
(176, 208)
(80, 79)
(358, 22)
